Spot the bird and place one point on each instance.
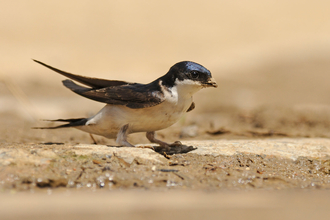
(135, 107)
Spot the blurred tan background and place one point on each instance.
(260, 52)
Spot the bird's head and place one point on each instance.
(189, 74)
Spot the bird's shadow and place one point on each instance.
(52, 143)
(177, 149)
(167, 150)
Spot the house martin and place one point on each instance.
(134, 107)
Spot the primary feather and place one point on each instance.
(88, 81)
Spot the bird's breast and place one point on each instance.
(158, 117)
(112, 117)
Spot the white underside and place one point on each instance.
(108, 121)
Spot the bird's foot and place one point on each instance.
(175, 148)
(168, 149)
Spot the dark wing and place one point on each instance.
(132, 96)
(92, 82)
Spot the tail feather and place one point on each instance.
(73, 122)
(65, 120)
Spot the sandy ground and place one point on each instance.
(271, 61)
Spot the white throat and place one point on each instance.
(181, 92)
(187, 87)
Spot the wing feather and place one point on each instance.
(132, 96)
(88, 81)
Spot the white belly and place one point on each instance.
(111, 118)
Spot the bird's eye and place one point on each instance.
(194, 74)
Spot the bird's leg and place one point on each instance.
(122, 137)
(151, 137)
(93, 139)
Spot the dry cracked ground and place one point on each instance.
(242, 162)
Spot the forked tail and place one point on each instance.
(73, 122)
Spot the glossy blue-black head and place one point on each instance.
(190, 72)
